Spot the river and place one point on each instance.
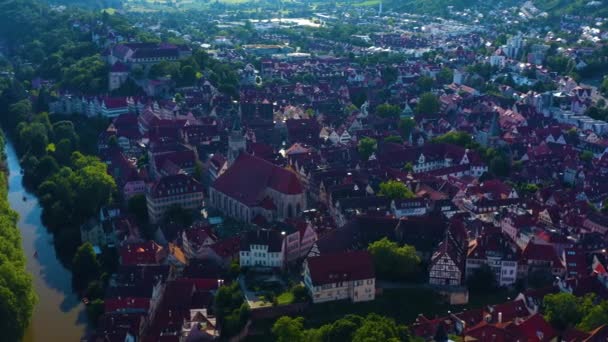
(59, 315)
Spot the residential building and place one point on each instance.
(348, 275)
(497, 252)
(262, 248)
(448, 263)
(176, 190)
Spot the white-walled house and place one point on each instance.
(262, 248)
(340, 276)
(299, 242)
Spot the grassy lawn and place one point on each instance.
(367, 3)
(285, 298)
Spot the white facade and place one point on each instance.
(259, 256)
(355, 290)
(497, 61)
(504, 270)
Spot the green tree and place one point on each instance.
(394, 139)
(445, 75)
(386, 110)
(344, 328)
(287, 329)
(94, 311)
(17, 296)
(462, 139)
(65, 130)
(18, 112)
(428, 105)
(406, 126)
(63, 151)
(392, 261)
(562, 310)
(586, 156)
(300, 293)
(188, 75)
(395, 190)
(44, 169)
(235, 321)
(85, 266)
(500, 166)
(17, 299)
(378, 328)
(231, 310)
(527, 188)
(425, 83)
(366, 147)
(33, 138)
(595, 317)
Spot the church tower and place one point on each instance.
(236, 141)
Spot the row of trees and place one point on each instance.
(353, 328)
(394, 262)
(230, 309)
(428, 105)
(564, 310)
(17, 296)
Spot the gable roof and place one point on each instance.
(332, 268)
(175, 184)
(247, 179)
(271, 238)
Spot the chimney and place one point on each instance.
(500, 317)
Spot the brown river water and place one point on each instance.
(59, 315)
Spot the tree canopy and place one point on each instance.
(564, 310)
(230, 308)
(394, 262)
(406, 126)
(17, 296)
(395, 190)
(367, 146)
(371, 328)
(386, 110)
(428, 105)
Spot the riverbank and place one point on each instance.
(59, 315)
(17, 297)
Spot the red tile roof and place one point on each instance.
(119, 67)
(175, 184)
(348, 266)
(510, 310)
(249, 176)
(534, 328)
(541, 252)
(227, 248)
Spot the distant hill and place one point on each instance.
(596, 8)
(437, 7)
(89, 4)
